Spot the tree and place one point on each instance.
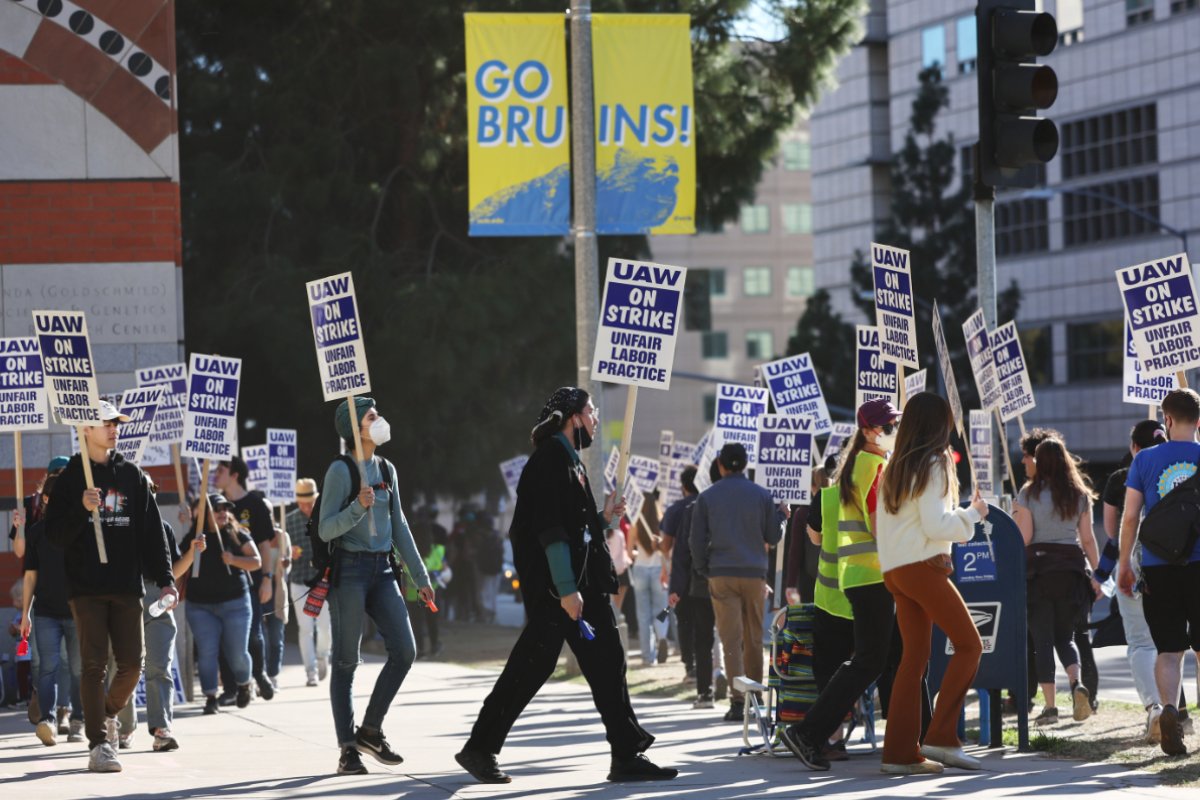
(828, 338)
(328, 136)
(937, 225)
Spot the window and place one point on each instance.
(965, 44)
(800, 282)
(1138, 11)
(714, 344)
(797, 218)
(933, 46)
(1108, 142)
(756, 282)
(756, 219)
(1094, 217)
(1037, 345)
(1180, 6)
(797, 155)
(1095, 350)
(716, 283)
(760, 345)
(1069, 15)
(1022, 226)
(710, 407)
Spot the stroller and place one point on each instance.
(791, 689)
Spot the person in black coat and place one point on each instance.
(567, 575)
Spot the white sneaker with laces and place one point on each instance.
(103, 759)
(76, 731)
(46, 733)
(125, 740)
(163, 740)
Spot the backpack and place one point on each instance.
(321, 550)
(1169, 530)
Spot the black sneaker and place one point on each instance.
(211, 705)
(735, 713)
(376, 746)
(265, 689)
(482, 766)
(804, 750)
(350, 763)
(639, 768)
(1172, 732)
(243, 695)
(227, 699)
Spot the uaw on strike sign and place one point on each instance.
(341, 355)
(639, 322)
(1160, 304)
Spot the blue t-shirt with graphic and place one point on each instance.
(1154, 472)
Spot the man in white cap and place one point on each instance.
(106, 598)
(303, 576)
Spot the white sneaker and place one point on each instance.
(921, 768)
(125, 740)
(322, 667)
(1153, 726)
(75, 733)
(103, 759)
(951, 756)
(312, 681)
(164, 741)
(46, 733)
(111, 729)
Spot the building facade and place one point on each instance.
(1127, 108)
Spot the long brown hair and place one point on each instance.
(922, 441)
(845, 470)
(1058, 471)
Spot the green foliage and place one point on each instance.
(321, 137)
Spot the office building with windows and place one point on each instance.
(760, 271)
(1127, 109)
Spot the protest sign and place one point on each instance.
(681, 459)
(610, 470)
(337, 333)
(141, 406)
(634, 500)
(210, 419)
(980, 424)
(23, 405)
(784, 450)
(796, 390)
(943, 353)
(281, 462)
(643, 470)
(665, 442)
(1016, 393)
(737, 412)
(1160, 304)
(894, 316)
(1140, 388)
(639, 323)
(876, 378)
(840, 432)
(257, 458)
(168, 420)
(73, 397)
(914, 384)
(511, 470)
(979, 351)
(706, 451)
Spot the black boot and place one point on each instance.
(639, 768)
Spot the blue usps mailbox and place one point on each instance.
(989, 572)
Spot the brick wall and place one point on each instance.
(54, 222)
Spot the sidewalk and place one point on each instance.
(284, 749)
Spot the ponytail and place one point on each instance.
(845, 471)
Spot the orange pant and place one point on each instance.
(925, 597)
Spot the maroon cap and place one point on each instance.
(877, 412)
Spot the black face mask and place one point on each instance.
(583, 439)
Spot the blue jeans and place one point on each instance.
(1141, 650)
(366, 587)
(160, 655)
(50, 633)
(272, 639)
(651, 598)
(221, 628)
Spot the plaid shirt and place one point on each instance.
(297, 528)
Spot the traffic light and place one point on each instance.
(1013, 140)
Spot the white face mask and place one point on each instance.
(886, 441)
(380, 431)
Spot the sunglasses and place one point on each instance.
(888, 428)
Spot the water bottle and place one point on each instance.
(23, 649)
(162, 605)
(316, 597)
(1109, 587)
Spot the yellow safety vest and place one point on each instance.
(827, 594)
(858, 555)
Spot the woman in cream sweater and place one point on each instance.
(917, 521)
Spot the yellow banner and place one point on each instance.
(645, 124)
(517, 123)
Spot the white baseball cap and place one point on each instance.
(109, 412)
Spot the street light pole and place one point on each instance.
(583, 186)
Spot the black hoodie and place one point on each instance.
(133, 530)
